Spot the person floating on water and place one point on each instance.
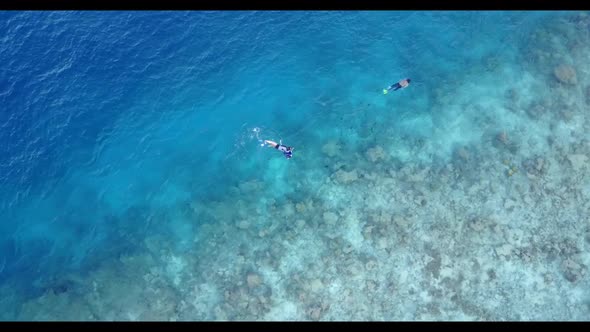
(286, 150)
(399, 85)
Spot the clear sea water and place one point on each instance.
(131, 134)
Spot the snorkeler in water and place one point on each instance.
(286, 150)
(399, 85)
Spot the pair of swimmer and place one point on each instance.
(288, 151)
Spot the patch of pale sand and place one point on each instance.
(175, 268)
(353, 229)
(204, 298)
(282, 307)
(283, 310)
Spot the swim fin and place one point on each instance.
(384, 91)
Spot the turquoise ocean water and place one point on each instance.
(134, 186)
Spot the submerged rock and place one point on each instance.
(502, 141)
(331, 149)
(300, 208)
(536, 110)
(345, 177)
(243, 224)
(565, 74)
(330, 218)
(578, 161)
(315, 313)
(317, 310)
(572, 270)
(505, 250)
(477, 224)
(461, 154)
(535, 165)
(316, 285)
(566, 114)
(512, 95)
(300, 223)
(492, 62)
(253, 280)
(502, 137)
(371, 265)
(382, 243)
(375, 154)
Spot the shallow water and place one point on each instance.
(130, 164)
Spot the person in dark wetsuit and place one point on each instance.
(286, 150)
(399, 85)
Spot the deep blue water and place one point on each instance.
(112, 123)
